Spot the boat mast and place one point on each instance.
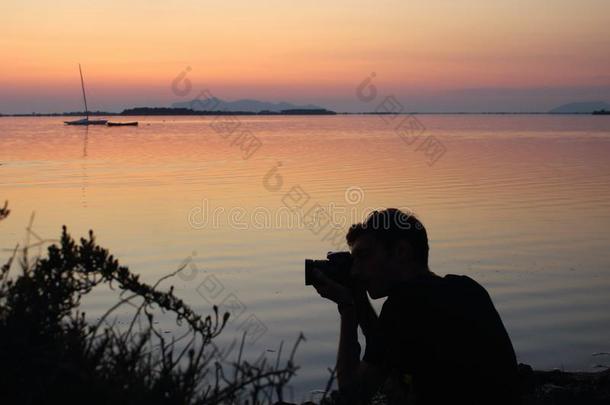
(82, 83)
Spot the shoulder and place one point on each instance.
(463, 282)
(427, 285)
(466, 285)
(450, 290)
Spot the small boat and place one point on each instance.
(86, 120)
(601, 112)
(122, 124)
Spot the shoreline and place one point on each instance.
(271, 113)
(564, 387)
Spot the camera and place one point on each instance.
(337, 267)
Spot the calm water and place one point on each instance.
(520, 203)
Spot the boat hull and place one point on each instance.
(86, 121)
(122, 124)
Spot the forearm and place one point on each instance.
(348, 356)
(357, 380)
(367, 317)
(361, 313)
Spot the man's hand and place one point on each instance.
(356, 380)
(330, 289)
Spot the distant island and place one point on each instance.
(216, 106)
(177, 111)
(601, 112)
(587, 107)
(190, 111)
(204, 106)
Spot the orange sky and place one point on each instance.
(318, 52)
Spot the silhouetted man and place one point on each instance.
(441, 336)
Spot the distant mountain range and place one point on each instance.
(216, 106)
(581, 108)
(246, 105)
(189, 111)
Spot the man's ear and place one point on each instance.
(403, 250)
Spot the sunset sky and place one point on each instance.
(435, 55)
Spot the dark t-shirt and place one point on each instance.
(445, 333)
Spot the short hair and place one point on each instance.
(391, 225)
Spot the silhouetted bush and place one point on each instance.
(50, 352)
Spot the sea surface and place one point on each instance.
(521, 203)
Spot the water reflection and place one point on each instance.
(84, 167)
(521, 204)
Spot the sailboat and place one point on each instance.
(86, 120)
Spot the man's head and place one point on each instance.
(389, 247)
